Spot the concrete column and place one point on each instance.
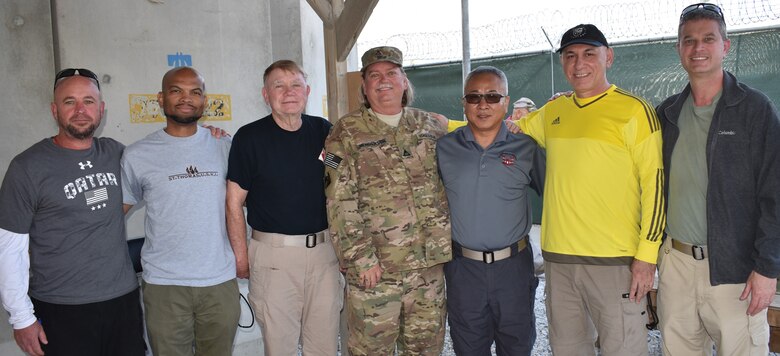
(27, 64)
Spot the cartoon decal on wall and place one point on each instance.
(145, 109)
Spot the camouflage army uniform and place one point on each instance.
(386, 205)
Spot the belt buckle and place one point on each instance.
(311, 240)
(488, 257)
(697, 252)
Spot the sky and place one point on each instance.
(620, 20)
(444, 15)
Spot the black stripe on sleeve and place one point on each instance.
(652, 118)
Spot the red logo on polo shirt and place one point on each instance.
(508, 159)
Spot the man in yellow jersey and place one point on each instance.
(721, 255)
(603, 211)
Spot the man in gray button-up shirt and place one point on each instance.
(487, 172)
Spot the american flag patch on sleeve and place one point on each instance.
(332, 160)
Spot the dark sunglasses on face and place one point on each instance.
(70, 72)
(490, 98)
(704, 6)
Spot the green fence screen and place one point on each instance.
(651, 70)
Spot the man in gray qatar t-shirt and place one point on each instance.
(70, 202)
(62, 234)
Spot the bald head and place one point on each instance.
(183, 71)
(183, 95)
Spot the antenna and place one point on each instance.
(552, 70)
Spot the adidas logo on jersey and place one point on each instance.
(557, 121)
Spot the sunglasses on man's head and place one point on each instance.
(704, 6)
(490, 98)
(81, 72)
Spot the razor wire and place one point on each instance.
(621, 23)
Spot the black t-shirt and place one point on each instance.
(283, 173)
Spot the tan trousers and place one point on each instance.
(296, 293)
(583, 299)
(693, 314)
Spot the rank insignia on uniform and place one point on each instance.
(508, 159)
(332, 160)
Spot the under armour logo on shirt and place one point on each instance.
(84, 166)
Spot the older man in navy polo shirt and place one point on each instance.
(487, 172)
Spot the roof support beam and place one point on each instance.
(342, 23)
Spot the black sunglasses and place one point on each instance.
(490, 98)
(69, 72)
(704, 6)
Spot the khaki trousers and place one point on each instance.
(583, 299)
(693, 314)
(178, 317)
(296, 293)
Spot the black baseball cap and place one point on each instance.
(584, 34)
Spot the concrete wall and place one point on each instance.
(27, 64)
(127, 43)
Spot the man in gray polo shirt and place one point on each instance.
(486, 172)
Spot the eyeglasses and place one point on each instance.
(704, 6)
(81, 72)
(490, 98)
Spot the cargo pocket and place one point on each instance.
(759, 333)
(634, 323)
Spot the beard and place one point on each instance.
(183, 120)
(81, 134)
